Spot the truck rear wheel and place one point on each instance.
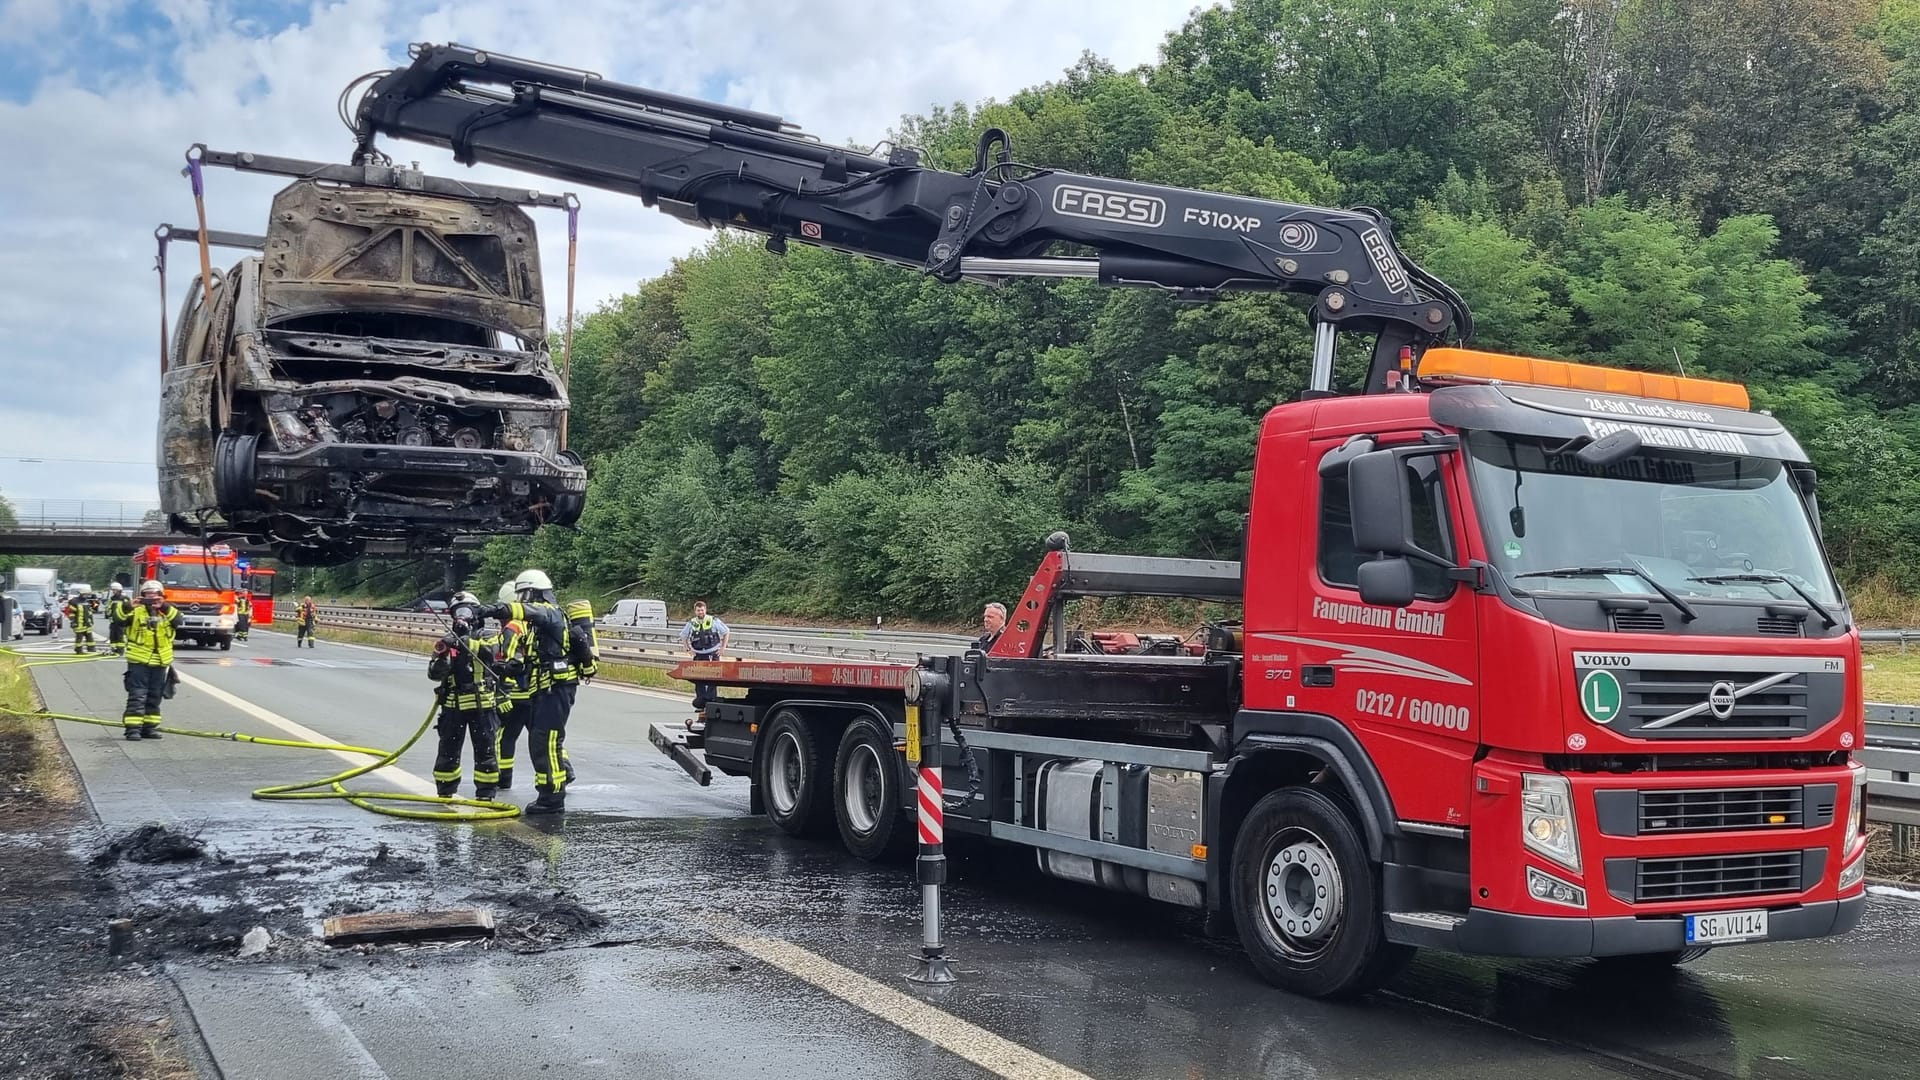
(866, 791)
(1305, 900)
(793, 776)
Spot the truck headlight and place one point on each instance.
(1854, 874)
(1856, 809)
(1545, 886)
(1546, 819)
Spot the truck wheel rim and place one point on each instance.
(1303, 892)
(783, 773)
(864, 789)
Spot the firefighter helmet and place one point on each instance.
(534, 580)
(151, 588)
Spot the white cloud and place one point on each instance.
(93, 159)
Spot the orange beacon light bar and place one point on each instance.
(1472, 365)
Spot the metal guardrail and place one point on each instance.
(100, 515)
(662, 647)
(1892, 753)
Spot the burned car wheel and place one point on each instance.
(568, 505)
(233, 475)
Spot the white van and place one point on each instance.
(644, 614)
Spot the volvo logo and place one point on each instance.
(1720, 700)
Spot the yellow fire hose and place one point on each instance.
(328, 787)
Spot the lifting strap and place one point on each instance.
(200, 210)
(160, 265)
(566, 349)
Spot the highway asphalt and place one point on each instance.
(731, 950)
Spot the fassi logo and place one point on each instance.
(1145, 210)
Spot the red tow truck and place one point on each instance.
(1531, 658)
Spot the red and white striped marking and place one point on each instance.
(933, 824)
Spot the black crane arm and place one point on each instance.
(715, 165)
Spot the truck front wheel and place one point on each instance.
(1305, 899)
(866, 791)
(792, 776)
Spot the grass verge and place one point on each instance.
(48, 777)
(1891, 675)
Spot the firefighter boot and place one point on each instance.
(150, 731)
(445, 790)
(506, 777)
(550, 803)
(133, 734)
(483, 793)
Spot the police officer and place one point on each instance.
(549, 658)
(516, 671)
(119, 611)
(150, 629)
(704, 636)
(462, 664)
(80, 611)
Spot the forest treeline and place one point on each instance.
(1724, 187)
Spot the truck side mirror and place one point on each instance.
(1377, 493)
(1386, 582)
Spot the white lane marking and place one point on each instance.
(399, 777)
(997, 1055)
(405, 780)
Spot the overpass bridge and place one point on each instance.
(97, 527)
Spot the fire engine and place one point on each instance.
(257, 582)
(200, 582)
(1531, 658)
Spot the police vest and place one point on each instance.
(705, 637)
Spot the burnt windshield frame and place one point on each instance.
(1570, 527)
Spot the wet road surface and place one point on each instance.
(732, 950)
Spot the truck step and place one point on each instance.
(1427, 920)
(1425, 929)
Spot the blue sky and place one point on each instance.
(100, 98)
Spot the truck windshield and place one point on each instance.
(194, 575)
(1703, 526)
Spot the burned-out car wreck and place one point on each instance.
(378, 372)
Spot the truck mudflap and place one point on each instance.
(1501, 933)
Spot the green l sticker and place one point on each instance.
(1600, 696)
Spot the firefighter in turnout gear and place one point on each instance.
(463, 664)
(119, 611)
(80, 612)
(242, 615)
(516, 671)
(150, 629)
(307, 613)
(549, 657)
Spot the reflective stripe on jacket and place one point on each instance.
(466, 680)
(152, 646)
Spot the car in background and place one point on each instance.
(37, 612)
(644, 614)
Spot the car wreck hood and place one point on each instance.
(332, 248)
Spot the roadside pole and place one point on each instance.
(923, 753)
